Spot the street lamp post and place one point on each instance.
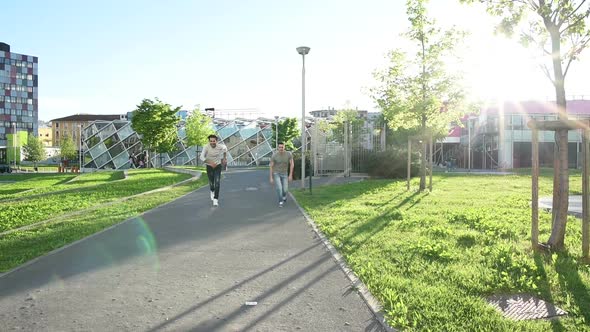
(469, 144)
(303, 50)
(276, 132)
(81, 169)
(14, 142)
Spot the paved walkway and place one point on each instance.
(574, 205)
(187, 266)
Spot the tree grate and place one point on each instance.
(524, 307)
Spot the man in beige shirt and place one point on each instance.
(215, 157)
(281, 172)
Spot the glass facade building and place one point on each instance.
(18, 95)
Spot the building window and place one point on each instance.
(517, 122)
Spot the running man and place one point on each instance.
(281, 172)
(215, 157)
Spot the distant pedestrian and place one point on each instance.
(281, 172)
(215, 157)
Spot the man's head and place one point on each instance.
(281, 146)
(212, 140)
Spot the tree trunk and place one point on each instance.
(423, 157)
(561, 175)
(423, 133)
(423, 166)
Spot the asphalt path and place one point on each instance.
(247, 265)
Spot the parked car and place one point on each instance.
(5, 168)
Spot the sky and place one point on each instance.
(104, 57)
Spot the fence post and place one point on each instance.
(585, 193)
(409, 160)
(431, 163)
(535, 189)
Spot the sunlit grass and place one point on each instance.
(431, 258)
(15, 214)
(19, 247)
(36, 184)
(196, 168)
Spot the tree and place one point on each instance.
(343, 116)
(198, 127)
(68, 150)
(560, 30)
(34, 150)
(418, 92)
(288, 130)
(156, 122)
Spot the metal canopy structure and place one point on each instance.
(112, 144)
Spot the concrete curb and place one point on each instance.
(362, 289)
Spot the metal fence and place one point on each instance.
(344, 148)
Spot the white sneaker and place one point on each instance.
(215, 202)
(281, 204)
(212, 195)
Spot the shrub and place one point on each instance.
(297, 168)
(392, 164)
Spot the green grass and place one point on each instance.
(431, 258)
(36, 184)
(29, 182)
(21, 246)
(15, 214)
(48, 168)
(196, 168)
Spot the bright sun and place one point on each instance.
(501, 69)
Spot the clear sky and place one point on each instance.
(105, 56)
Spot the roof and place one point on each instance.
(539, 107)
(90, 117)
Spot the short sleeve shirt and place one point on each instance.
(281, 162)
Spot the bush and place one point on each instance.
(392, 164)
(297, 168)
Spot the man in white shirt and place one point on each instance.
(215, 157)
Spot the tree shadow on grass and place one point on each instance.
(570, 279)
(545, 288)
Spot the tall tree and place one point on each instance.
(288, 130)
(560, 30)
(68, 150)
(338, 124)
(198, 127)
(34, 150)
(156, 122)
(418, 91)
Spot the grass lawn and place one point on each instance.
(431, 258)
(195, 168)
(21, 246)
(40, 168)
(36, 184)
(15, 214)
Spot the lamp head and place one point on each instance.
(303, 50)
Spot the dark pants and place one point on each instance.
(214, 175)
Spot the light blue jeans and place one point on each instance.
(281, 185)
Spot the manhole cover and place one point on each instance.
(521, 307)
(251, 189)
